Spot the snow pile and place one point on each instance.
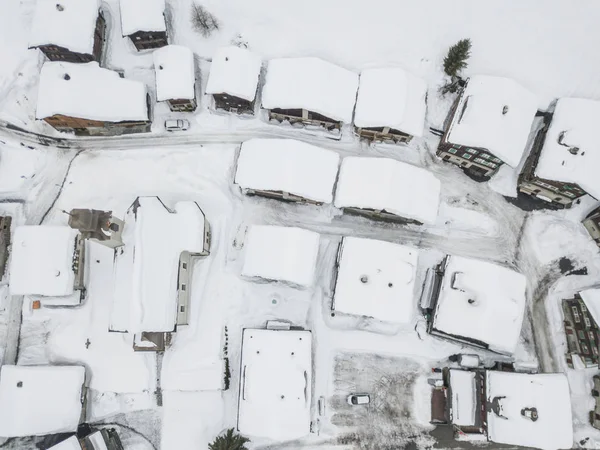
(391, 97)
(38, 400)
(275, 384)
(281, 254)
(464, 402)
(234, 71)
(376, 279)
(42, 260)
(388, 185)
(495, 114)
(547, 393)
(571, 151)
(481, 301)
(287, 165)
(70, 444)
(147, 267)
(311, 84)
(88, 91)
(142, 15)
(175, 73)
(65, 23)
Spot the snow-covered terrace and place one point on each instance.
(311, 84)
(571, 151)
(88, 91)
(547, 393)
(281, 253)
(391, 97)
(481, 301)
(287, 165)
(376, 279)
(175, 73)
(496, 114)
(464, 399)
(388, 185)
(234, 71)
(275, 384)
(65, 23)
(142, 15)
(39, 400)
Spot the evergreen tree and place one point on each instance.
(229, 441)
(457, 57)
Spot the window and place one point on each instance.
(569, 194)
(452, 150)
(581, 334)
(466, 156)
(496, 160)
(588, 324)
(183, 287)
(591, 336)
(595, 350)
(575, 314)
(582, 306)
(486, 156)
(585, 349)
(182, 308)
(470, 150)
(184, 266)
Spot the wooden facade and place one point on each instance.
(58, 53)
(182, 105)
(595, 413)
(592, 225)
(5, 223)
(148, 40)
(380, 215)
(280, 195)
(305, 117)
(233, 104)
(581, 332)
(383, 134)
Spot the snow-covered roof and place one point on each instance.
(548, 393)
(591, 298)
(311, 84)
(281, 253)
(65, 23)
(390, 185)
(275, 385)
(464, 401)
(234, 71)
(142, 15)
(39, 400)
(146, 271)
(391, 97)
(97, 440)
(288, 165)
(376, 279)
(496, 114)
(175, 73)
(42, 260)
(90, 92)
(70, 444)
(573, 124)
(482, 301)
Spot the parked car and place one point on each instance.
(177, 124)
(359, 399)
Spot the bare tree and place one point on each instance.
(203, 21)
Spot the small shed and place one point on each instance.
(143, 21)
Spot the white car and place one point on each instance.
(177, 125)
(359, 399)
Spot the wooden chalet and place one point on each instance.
(143, 22)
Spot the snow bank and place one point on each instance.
(275, 384)
(573, 127)
(90, 92)
(234, 71)
(38, 400)
(388, 185)
(482, 301)
(42, 260)
(548, 393)
(281, 253)
(289, 166)
(464, 402)
(311, 84)
(65, 23)
(175, 73)
(496, 114)
(391, 97)
(142, 15)
(376, 279)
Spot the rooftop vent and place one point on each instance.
(573, 150)
(504, 110)
(364, 279)
(60, 7)
(160, 67)
(530, 413)
(226, 58)
(66, 76)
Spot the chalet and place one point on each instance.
(476, 303)
(288, 170)
(68, 30)
(595, 413)
(104, 439)
(309, 91)
(390, 106)
(592, 225)
(233, 79)
(489, 125)
(48, 265)
(581, 328)
(560, 168)
(275, 394)
(5, 243)
(153, 270)
(175, 77)
(89, 100)
(285, 254)
(386, 189)
(143, 21)
(41, 400)
(375, 279)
